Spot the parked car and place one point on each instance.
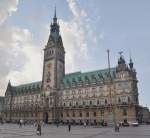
(134, 123)
(125, 124)
(148, 122)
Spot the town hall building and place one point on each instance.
(104, 95)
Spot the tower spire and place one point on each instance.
(55, 13)
(55, 17)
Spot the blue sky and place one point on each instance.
(88, 29)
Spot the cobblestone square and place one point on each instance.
(13, 131)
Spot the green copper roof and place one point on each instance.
(24, 88)
(98, 75)
(69, 79)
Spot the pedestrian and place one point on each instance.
(69, 127)
(20, 123)
(84, 124)
(38, 129)
(117, 127)
(57, 124)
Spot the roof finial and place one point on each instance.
(121, 60)
(131, 62)
(130, 55)
(120, 53)
(55, 12)
(55, 17)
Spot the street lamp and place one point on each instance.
(110, 94)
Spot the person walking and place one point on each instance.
(117, 127)
(20, 123)
(38, 129)
(69, 127)
(57, 124)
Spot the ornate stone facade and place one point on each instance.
(106, 95)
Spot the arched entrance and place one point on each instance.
(45, 117)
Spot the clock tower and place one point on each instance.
(54, 58)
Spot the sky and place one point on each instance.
(88, 29)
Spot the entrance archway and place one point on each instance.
(45, 117)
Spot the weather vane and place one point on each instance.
(120, 53)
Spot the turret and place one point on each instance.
(9, 89)
(121, 63)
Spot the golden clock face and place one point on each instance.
(49, 65)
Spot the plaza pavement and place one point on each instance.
(13, 131)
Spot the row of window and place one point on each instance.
(22, 99)
(22, 115)
(85, 91)
(80, 114)
(51, 52)
(122, 99)
(102, 102)
(88, 114)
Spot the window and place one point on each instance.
(87, 114)
(124, 99)
(67, 114)
(129, 99)
(119, 100)
(80, 114)
(93, 90)
(90, 102)
(94, 114)
(73, 92)
(97, 101)
(102, 112)
(124, 112)
(73, 114)
(105, 101)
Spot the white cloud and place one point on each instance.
(6, 8)
(74, 35)
(101, 36)
(20, 60)
(32, 69)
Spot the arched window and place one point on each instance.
(128, 99)
(67, 114)
(124, 112)
(105, 101)
(73, 114)
(119, 100)
(94, 114)
(80, 114)
(87, 114)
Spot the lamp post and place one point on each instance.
(112, 113)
